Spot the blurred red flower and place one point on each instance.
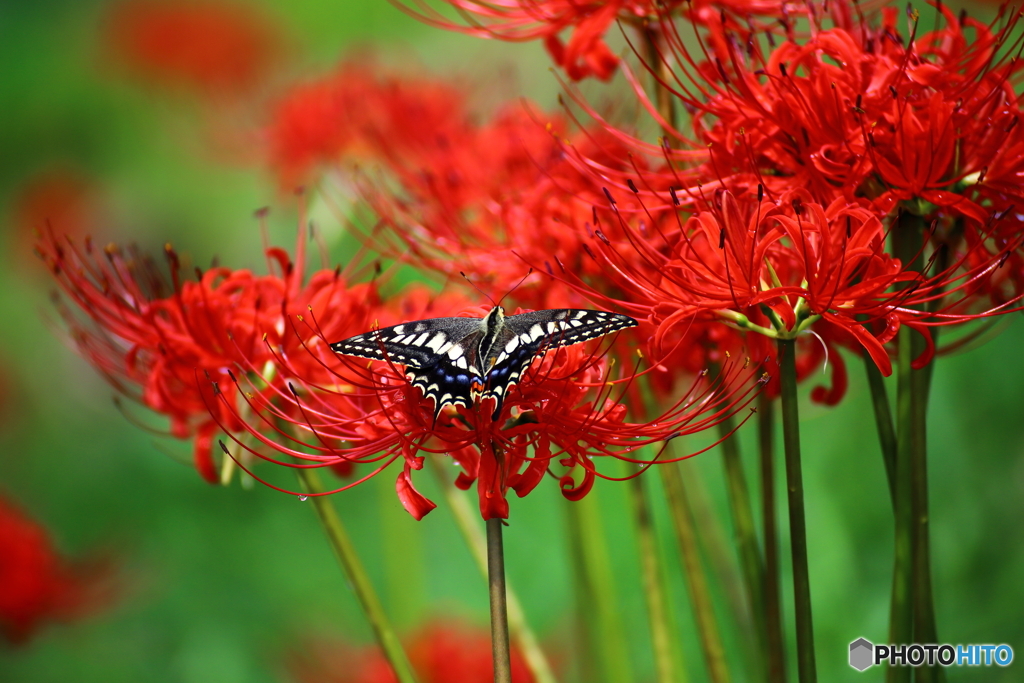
(360, 112)
(37, 585)
(442, 651)
(212, 47)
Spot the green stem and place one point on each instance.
(595, 570)
(925, 629)
(499, 611)
(900, 610)
(746, 537)
(655, 590)
(696, 579)
(357, 577)
(772, 580)
(806, 668)
(883, 422)
(468, 522)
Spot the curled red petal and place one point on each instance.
(573, 491)
(414, 502)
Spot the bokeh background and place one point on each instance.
(226, 584)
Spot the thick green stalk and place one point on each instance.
(883, 422)
(468, 522)
(696, 579)
(772, 580)
(745, 535)
(900, 610)
(357, 577)
(499, 612)
(609, 638)
(806, 668)
(925, 629)
(655, 591)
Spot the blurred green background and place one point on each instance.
(221, 584)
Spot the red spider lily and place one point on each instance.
(361, 112)
(516, 201)
(564, 411)
(37, 584)
(585, 53)
(209, 46)
(773, 268)
(442, 651)
(149, 337)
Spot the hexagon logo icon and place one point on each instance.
(861, 654)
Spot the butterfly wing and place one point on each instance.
(439, 355)
(527, 335)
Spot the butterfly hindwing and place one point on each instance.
(459, 361)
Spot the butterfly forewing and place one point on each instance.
(462, 360)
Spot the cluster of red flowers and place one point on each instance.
(807, 161)
(440, 652)
(36, 583)
(771, 218)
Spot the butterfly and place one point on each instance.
(460, 361)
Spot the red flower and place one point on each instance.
(37, 584)
(210, 46)
(563, 412)
(359, 112)
(151, 338)
(440, 652)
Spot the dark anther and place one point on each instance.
(223, 447)
(721, 70)
(593, 211)
(600, 236)
(782, 70)
(629, 181)
(607, 194)
(675, 199)
(807, 139)
(199, 273)
(849, 230)
(586, 248)
(292, 389)
(721, 239)
(798, 206)
(895, 95)
(1004, 214)
(232, 376)
(760, 192)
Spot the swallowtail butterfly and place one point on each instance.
(458, 361)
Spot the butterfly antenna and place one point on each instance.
(478, 289)
(516, 286)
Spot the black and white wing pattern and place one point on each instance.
(460, 361)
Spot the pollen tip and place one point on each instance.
(223, 447)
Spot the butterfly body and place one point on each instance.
(461, 361)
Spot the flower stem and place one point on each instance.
(655, 590)
(883, 422)
(357, 577)
(469, 526)
(772, 582)
(499, 611)
(806, 668)
(696, 579)
(900, 610)
(746, 537)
